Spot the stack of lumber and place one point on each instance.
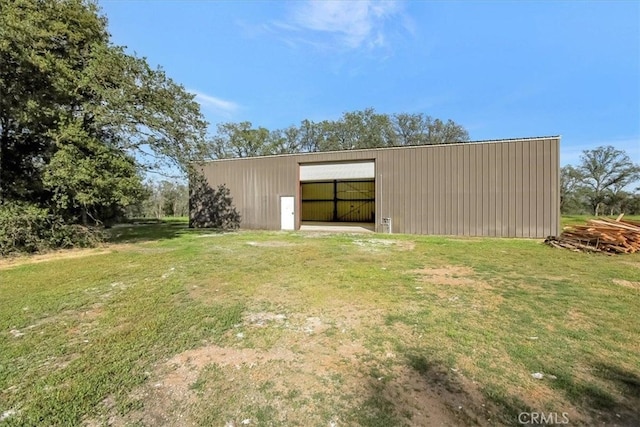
(613, 236)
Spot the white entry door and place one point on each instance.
(287, 213)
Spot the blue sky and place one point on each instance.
(502, 69)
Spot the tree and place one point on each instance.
(42, 46)
(409, 128)
(287, 141)
(86, 175)
(336, 135)
(67, 94)
(631, 204)
(439, 132)
(605, 171)
(420, 129)
(368, 129)
(616, 201)
(175, 196)
(165, 198)
(309, 136)
(209, 207)
(571, 189)
(239, 140)
(143, 111)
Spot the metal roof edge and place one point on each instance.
(312, 153)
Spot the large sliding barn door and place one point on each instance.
(338, 192)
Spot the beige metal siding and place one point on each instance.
(498, 188)
(256, 187)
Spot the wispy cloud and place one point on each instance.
(343, 24)
(216, 105)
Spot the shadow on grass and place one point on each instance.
(429, 393)
(469, 404)
(614, 400)
(377, 410)
(153, 230)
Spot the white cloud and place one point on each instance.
(217, 105)
(353, 24)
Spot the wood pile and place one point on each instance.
(612, 236)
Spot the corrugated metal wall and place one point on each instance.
(256, 185)
(494, 188)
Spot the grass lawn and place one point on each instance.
(170, 326)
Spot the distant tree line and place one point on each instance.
(605, 182)
(354, 130)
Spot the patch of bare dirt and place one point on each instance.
(141, 248)
(271, 244)
(264, 319)
(11, 262)
(450, 275)
(627, 283)
(350, 316)
(376, 245)
(241, 375)
(317, 234)
(184, 368)
(340, 320)
(405, 245)
(205, 235)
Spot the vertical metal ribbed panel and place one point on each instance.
(256, 187)
(499, 188)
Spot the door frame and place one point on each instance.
(293, 207)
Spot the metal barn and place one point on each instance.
(503, 188)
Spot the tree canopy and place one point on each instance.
(80, 119)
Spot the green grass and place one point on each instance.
(307, 329)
